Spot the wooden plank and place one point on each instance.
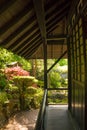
(57, 118)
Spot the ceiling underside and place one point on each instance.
(24, 24)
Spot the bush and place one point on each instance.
(33, 97)
(3, 80)
(3, 97)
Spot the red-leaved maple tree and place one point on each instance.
(15, 71)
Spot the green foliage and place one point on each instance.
(33, 97)
(40, 83)
(58, 97)
(3, 81)
(11, 87)
(7, 57)
(64, 82)
(24, 81)
(31, 90)
(3, 97)
(63, 62)
(25, 64)
(55, 79)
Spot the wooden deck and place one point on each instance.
(57, 118)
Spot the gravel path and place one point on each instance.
(22, 121)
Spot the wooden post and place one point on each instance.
(45, 63)
(69, 75)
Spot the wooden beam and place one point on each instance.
(25, 44)
(52, 28)
(56, 42)
(23, 38)
(6, 5)
(51, 6)
(31, 45)
(56, 37)
(13, 37)
(56, 20)
(62, 88)
(33, 49)
(39, 9)
(58, 11)
(56, 61)
(16, 19)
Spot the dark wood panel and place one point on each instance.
(78, 68)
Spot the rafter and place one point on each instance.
(51, 6)
(30, 45)
(25, 44)
(33, 50)
(20, 31)
(35, 44)
(52, 28)
(5, 6)
(39, 9)
(16, 19)
(23, 38)
(57, 11)
(56, 20)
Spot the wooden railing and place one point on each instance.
(41, 116)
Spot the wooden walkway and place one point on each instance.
(57, 118)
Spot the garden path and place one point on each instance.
(24, 120)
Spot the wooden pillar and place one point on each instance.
(45, 63)
(69, 74)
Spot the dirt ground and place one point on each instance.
(22, 121)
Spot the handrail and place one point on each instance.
(41, 115)
(62, 88)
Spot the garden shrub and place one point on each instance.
(33, 97)
(23, 83)
(3, 80)
(3, 97)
